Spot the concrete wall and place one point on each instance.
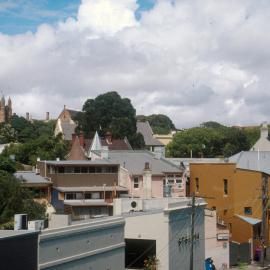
(95, 245)
(167, 227)
(19, 250)
(179, 226)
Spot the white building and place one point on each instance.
(162, 228)
(216, 241)
(96, 244)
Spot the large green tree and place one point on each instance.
(160, 123)
(109, 112)
(209, 140)
(15, 199)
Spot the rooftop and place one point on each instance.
(31, 177)
(80, 162)
(134, 161)
(252, 160)
(145, 129)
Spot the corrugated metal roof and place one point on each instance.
(252, 160)
(251, 221)
(81, 162)
(145, 129)
(134, 162)
(31, 177)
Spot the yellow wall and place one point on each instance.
(244, 190)
(211, 178)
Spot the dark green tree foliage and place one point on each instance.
(160, 123)
(209, 140)
(6, 164)
(15, 199)
(137, 141)
(44, 147)
(109, 112)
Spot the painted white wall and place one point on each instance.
(217, 250)
(152, 227)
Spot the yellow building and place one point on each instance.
(235, 193)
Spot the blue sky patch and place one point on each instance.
(20, 16)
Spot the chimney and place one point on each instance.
(27, 116)
(73, 137)
(147, 181)
(146, 166)
(81, 139)
(47, 116)
(108, 137)
(264, 130)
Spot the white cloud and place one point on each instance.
(193, 60)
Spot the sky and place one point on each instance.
(192, 60)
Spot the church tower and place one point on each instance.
(2, 110)
(9, 110)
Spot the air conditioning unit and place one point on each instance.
(136, 205)
(36, 225)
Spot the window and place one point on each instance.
(91, 169)
(136, 182)
(69, 170)
(98, 169)
(84, 169)
(87, 196)
(225, 186)
(179, 182)
(61, 169)
(77, 169)
(70, 196)
(170, 182)
(197, 184)
(214, 208)
(248, 210)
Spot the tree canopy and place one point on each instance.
(211, 139)
(30, 140)
(109, 112)
(16, 199)
(160, 123)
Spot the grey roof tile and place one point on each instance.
(134, 162)
(145, 129)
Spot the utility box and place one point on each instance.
(36, 225)
(20, 222)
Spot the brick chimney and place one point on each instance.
(73, 137)
(27, 116)
(47, 116)
(81, 139)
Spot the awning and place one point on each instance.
(251, 221)
(91, 202)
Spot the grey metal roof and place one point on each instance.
(252, 160)
(30, 177)
(85, 189)
(134, 161)
(251, 221)
(145, 129)
(81, 162)
(68, 129)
